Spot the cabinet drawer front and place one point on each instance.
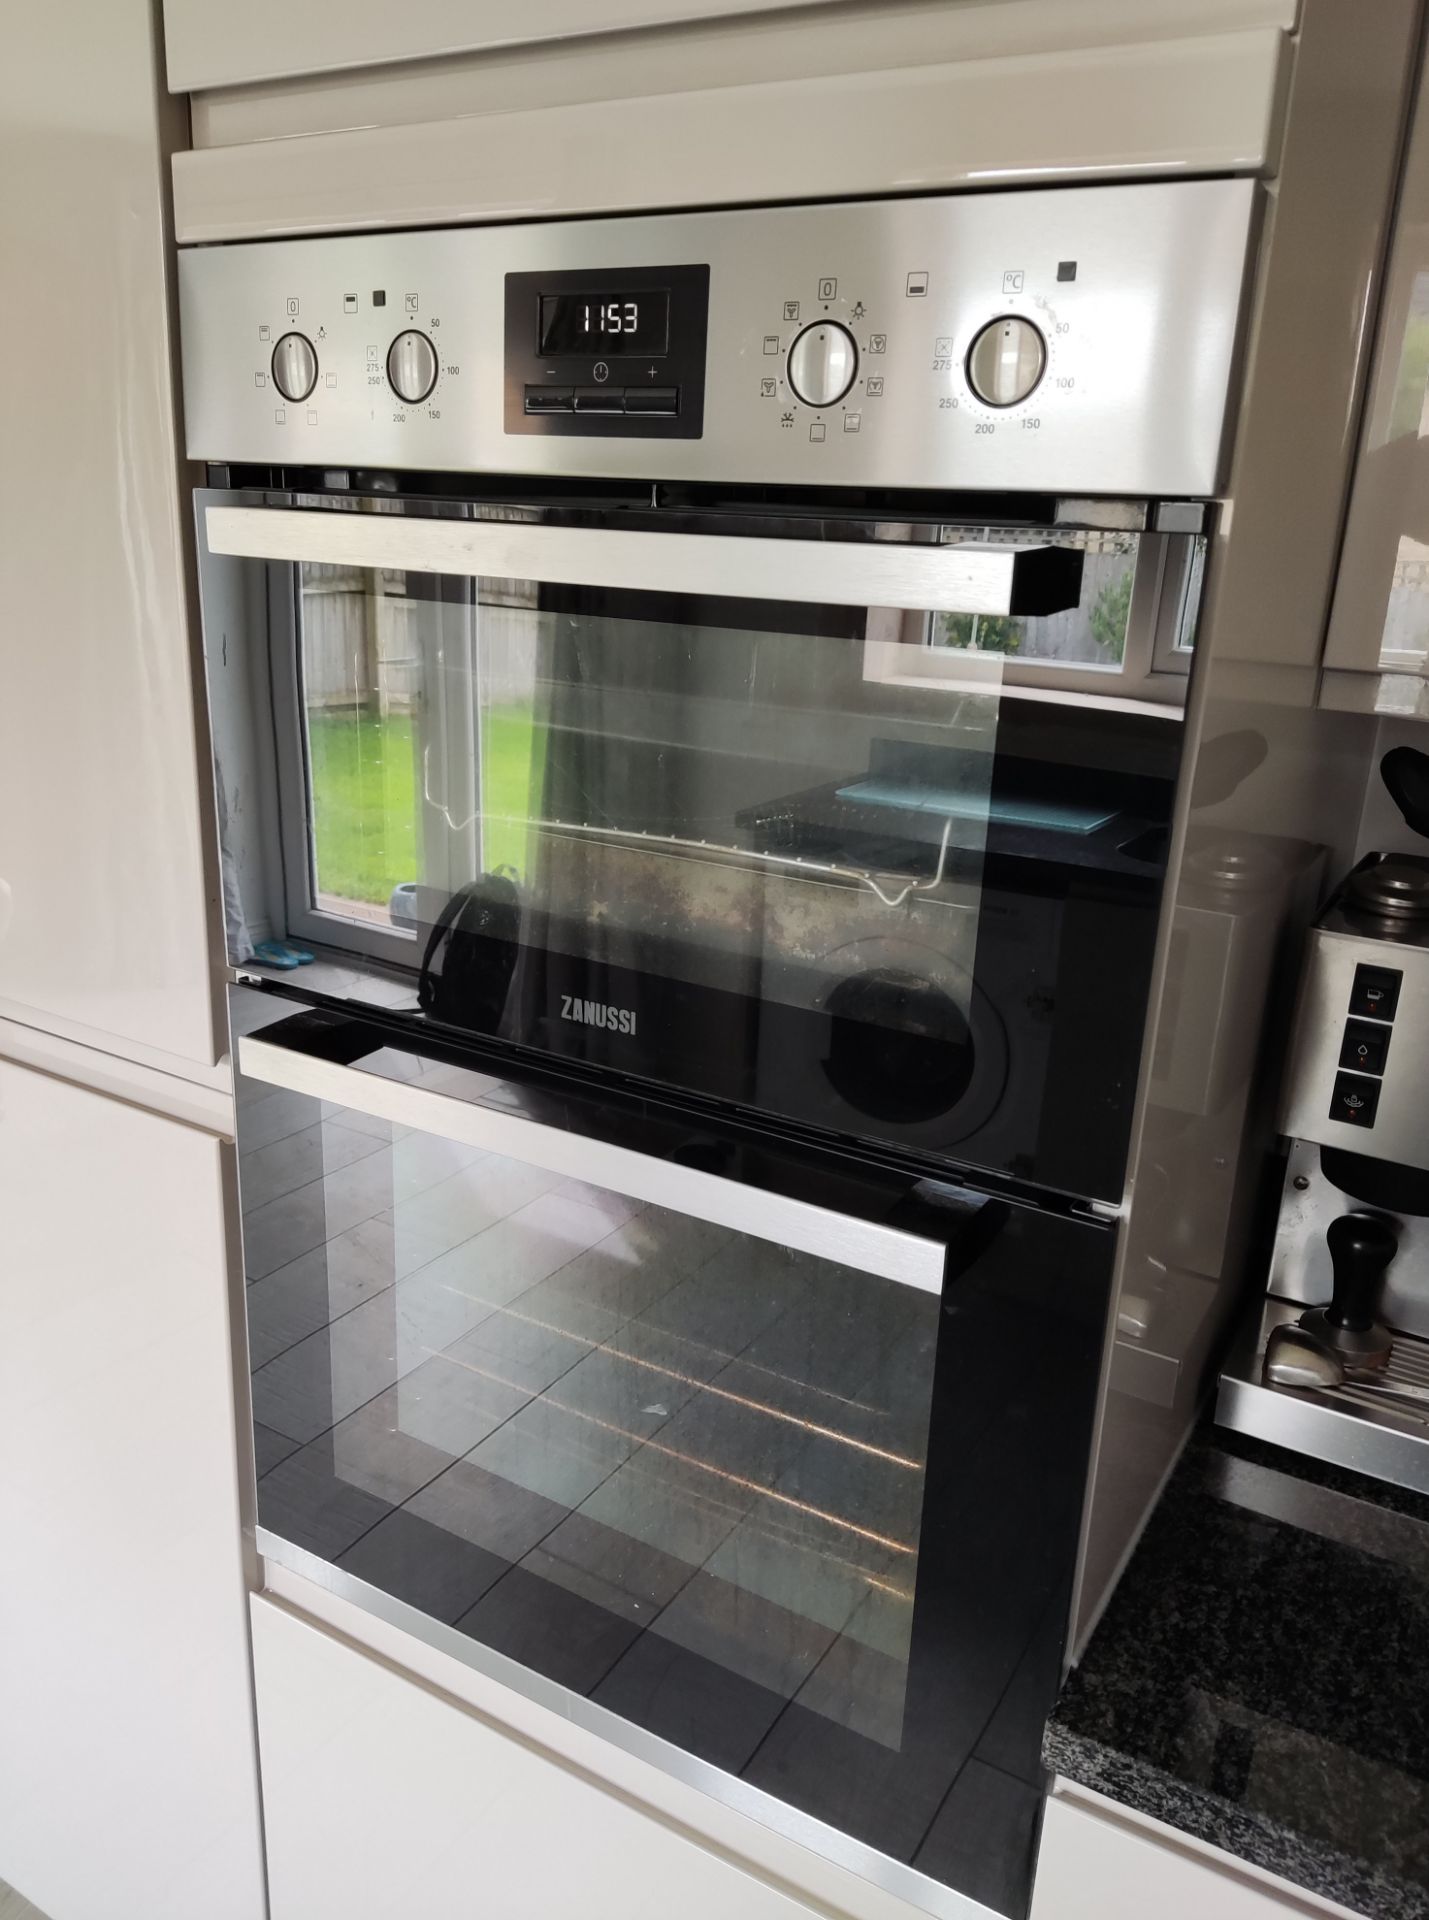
(1121, 1867)
(381, 1797)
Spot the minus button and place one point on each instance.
(549, 400)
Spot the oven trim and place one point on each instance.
(888, 1253)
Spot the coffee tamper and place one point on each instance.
(1361, 1248)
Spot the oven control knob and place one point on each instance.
(295, 366)
(822, 363)
(1006, 361)
(412, 366)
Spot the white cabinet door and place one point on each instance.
(1115, 1865)
(383, 1798)
(128, 1786)
(103, 924)
(211, 43)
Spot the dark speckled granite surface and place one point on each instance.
(1261, 1677)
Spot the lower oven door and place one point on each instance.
(762, 810)
(765, 1462)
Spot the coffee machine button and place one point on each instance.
(1355, 1101)
(1376, 992)
(1364, 1046)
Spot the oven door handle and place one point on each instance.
(1013, 579)
(314, 1062)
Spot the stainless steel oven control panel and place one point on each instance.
(1071, 340)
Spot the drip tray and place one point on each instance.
(1344, 1426)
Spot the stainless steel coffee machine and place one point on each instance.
(1339, 1365)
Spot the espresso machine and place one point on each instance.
(1338, 1365)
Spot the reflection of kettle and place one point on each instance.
(1392, 888)
(471, 955)
(1405, 773)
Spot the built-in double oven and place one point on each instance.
(696, 708)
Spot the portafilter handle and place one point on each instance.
(1361, 1248)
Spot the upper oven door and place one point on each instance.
(860, 824)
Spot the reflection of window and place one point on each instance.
(1129, 639)
(1411, 383)
(1404, 646)
(513, 737)
(361, 671)
(413, 776)
(1091, 634)
(1183, 633)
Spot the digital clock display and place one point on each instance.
(605, 322)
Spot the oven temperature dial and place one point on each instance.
(822, 363)
(1006, 361)
(295, 366)
(412, 366)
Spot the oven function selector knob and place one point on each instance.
(412, 366)
(822, 363)
(1006, 361)
(295, 366)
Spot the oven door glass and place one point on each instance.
(677, 1423)
(750, 814)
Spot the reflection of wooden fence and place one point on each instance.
(364, 631)
(363, 636)
(1068, 636)
(360, 648)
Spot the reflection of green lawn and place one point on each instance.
(366, 797)
(513, 758)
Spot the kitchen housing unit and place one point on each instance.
(697, 705)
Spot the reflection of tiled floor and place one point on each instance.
(664, 1464)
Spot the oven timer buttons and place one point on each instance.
(412, 366)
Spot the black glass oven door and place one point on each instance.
(767, 813)
(766, 1455)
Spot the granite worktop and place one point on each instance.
(1261, 1676)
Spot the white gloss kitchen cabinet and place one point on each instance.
(354, 1754)
(103, 916)
(386, 1797)
(1099, 1861)
(213, 44)
(729, 104)
(128, 1786)
(1377, 647)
